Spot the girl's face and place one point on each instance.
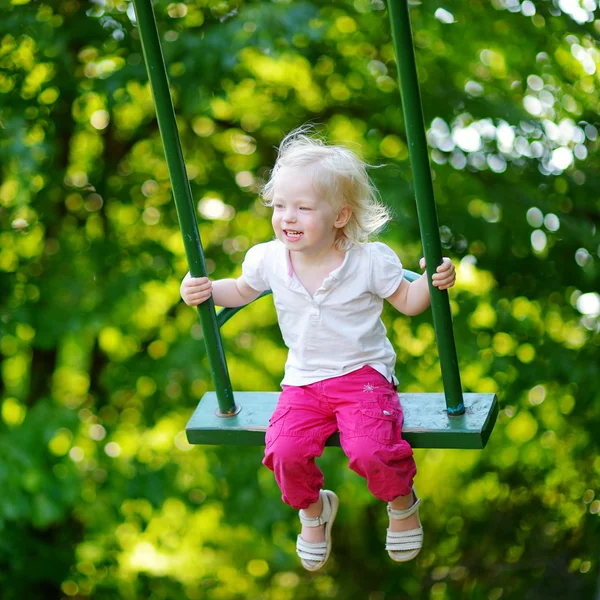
(302, 220)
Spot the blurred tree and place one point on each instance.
(102, 365)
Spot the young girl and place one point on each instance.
(328, 286)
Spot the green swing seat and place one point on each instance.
(443, 420)
(426, 421)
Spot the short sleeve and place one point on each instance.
(253, 268)
(385, 270)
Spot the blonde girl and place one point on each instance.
(329, 283)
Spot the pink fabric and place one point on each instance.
(364, 406)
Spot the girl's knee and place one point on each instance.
(291, 450)
(360, 451)
(285, 449)
(366, 456)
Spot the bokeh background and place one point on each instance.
(102, 365)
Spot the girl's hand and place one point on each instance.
(195, 290)
(445, 275)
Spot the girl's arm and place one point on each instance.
(414, 298)
(225, 292)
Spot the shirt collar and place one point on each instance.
(335, 274)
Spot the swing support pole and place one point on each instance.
(419, 160)
(182, 193)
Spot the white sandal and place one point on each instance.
(403, 546)
(313, 555)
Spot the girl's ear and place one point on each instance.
(343, 217)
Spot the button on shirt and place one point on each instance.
(338, 329)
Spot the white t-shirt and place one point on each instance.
(337, 330)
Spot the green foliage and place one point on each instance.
(102, 365)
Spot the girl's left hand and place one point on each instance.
(445, 275)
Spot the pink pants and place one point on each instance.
(364, 407)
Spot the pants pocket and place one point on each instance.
(382, 421)
(276, 423)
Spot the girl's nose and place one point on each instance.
(289, 216)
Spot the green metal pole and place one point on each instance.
(183, 198)
(419, 159)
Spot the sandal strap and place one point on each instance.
(400, 515)
(399, 541)
(315, 551)
(311, 521)
(322, 518)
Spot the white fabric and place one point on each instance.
(339, 329)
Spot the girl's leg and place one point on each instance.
(388, 467)
(296, 435)
(370, 421)
(369, 417)
(292, 460)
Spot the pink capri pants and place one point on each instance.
(364, 407)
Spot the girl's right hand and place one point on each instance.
(195, 290)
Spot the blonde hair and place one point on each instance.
(340, 176)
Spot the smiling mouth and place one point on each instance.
(292, 234)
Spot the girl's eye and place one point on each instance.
(277, 205)
(305, 208)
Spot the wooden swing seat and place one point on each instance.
(426, 421)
